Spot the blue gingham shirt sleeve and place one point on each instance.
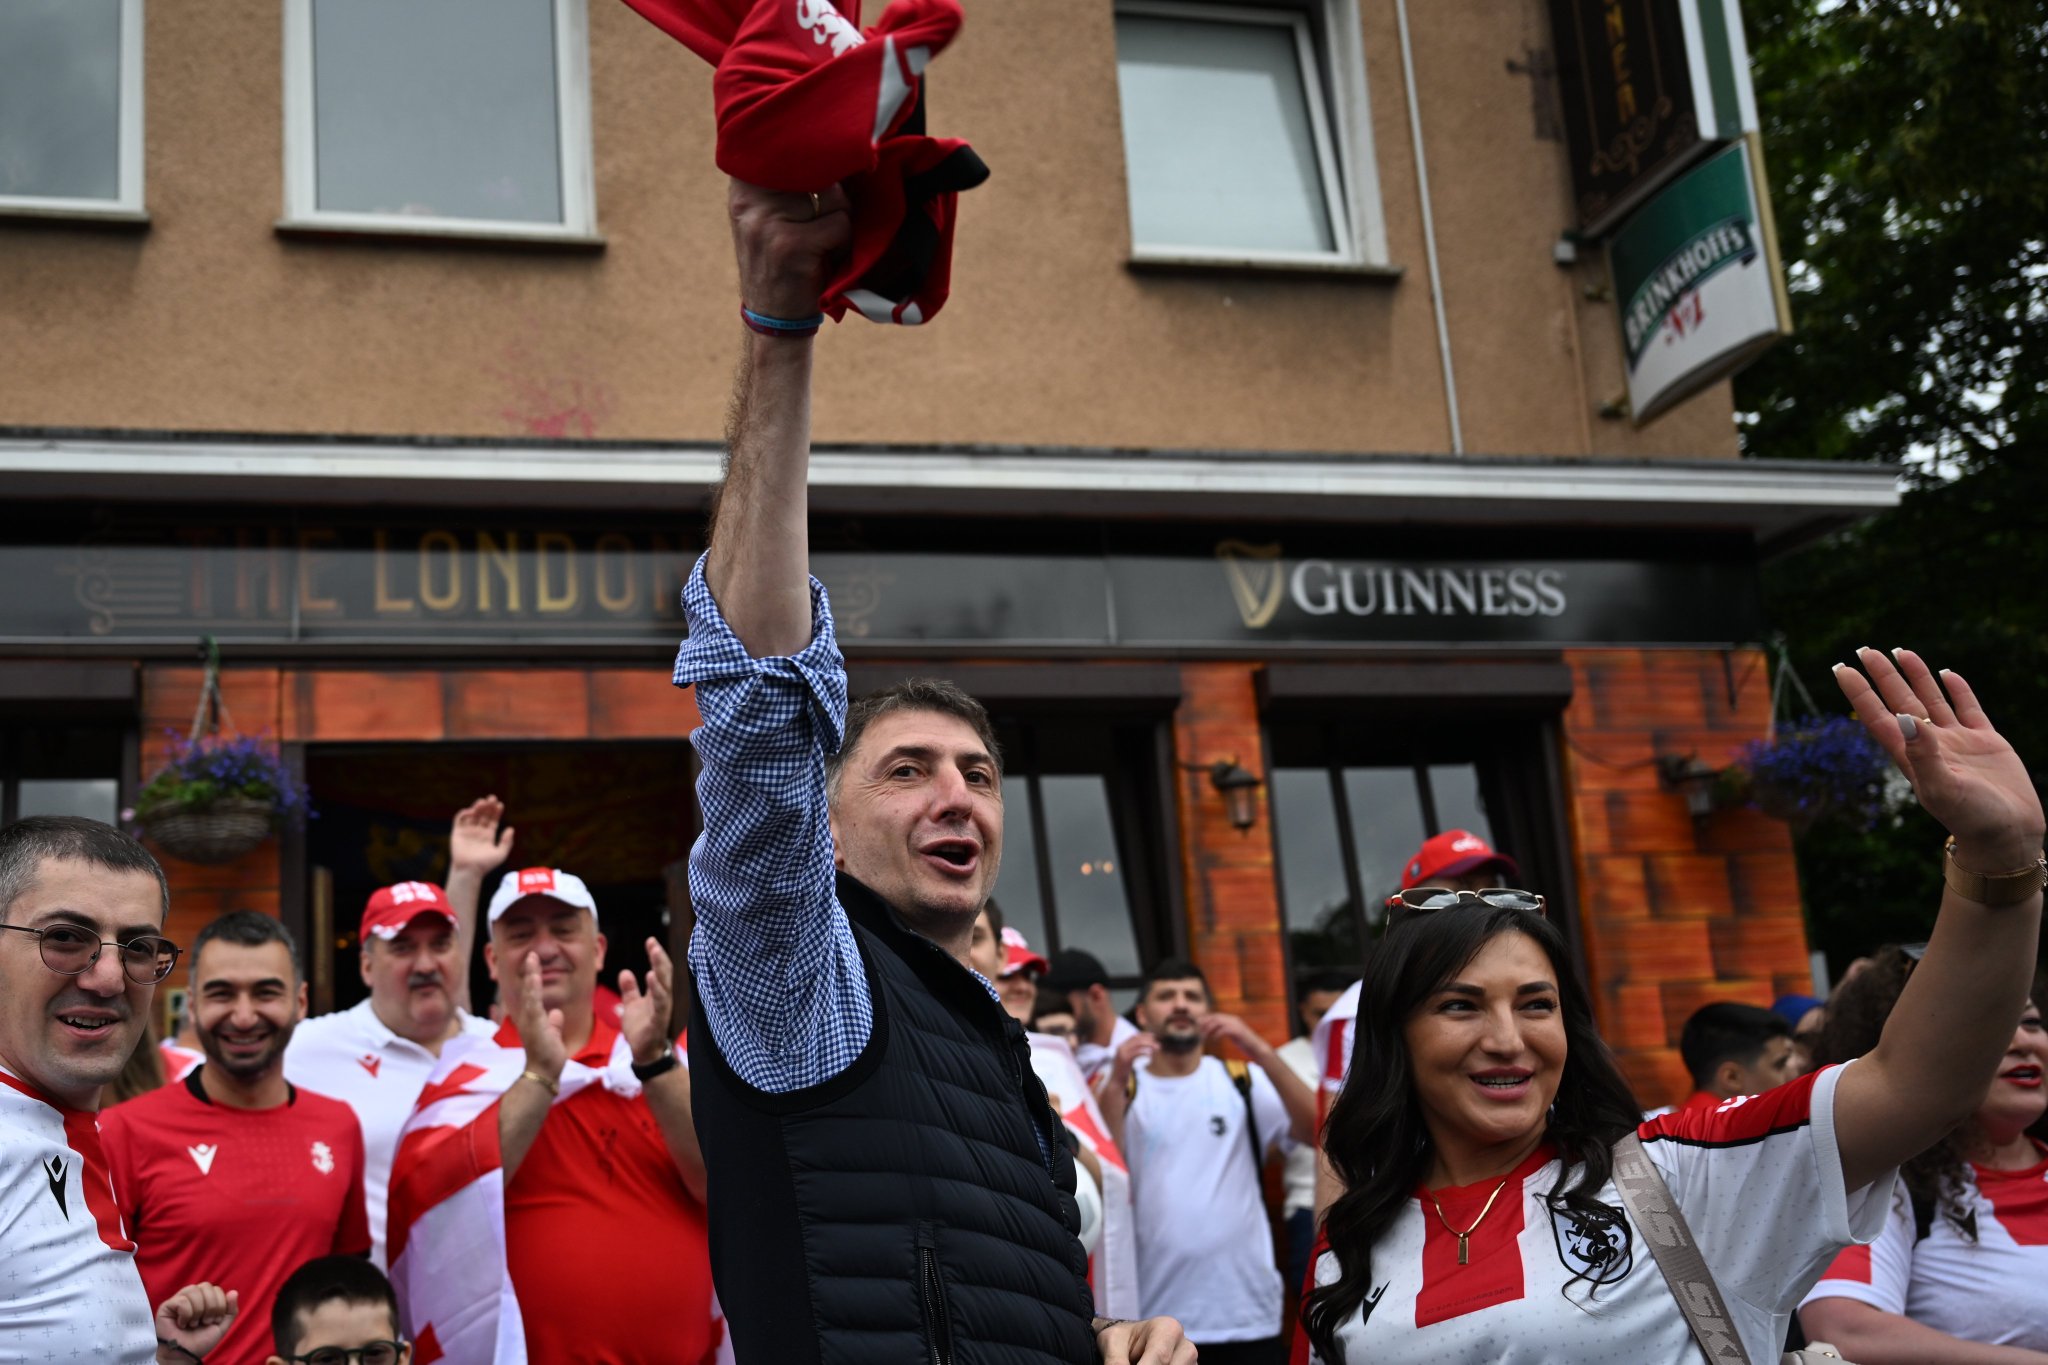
(774, 956)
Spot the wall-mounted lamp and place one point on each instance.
(1692, 779)
(1239, 788)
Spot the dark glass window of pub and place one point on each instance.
(1351, 805)
(60, 769)
(1082, 822)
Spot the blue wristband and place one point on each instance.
(781, 327)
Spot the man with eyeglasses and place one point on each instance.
(82, 906)
(234, 1173)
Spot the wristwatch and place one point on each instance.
(1995, 889)
(660, 1066)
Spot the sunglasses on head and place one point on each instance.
(1423, 900)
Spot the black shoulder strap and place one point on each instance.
(1241, 1077)
(1923, 1215)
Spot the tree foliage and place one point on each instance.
(1907, 142)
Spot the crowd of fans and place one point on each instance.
(294, 1160)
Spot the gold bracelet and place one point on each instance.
(1995, 889)
(552, 1087)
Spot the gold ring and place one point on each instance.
(817, 205)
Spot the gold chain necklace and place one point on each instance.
(1465, 1237)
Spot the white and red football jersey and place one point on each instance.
(1993, 1290)
(350, 1056)
(69, 1289)
(1760, 1183)
(1332, 1041)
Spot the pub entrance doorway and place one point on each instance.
(620, 815)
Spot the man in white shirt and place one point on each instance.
(377, 1056)
(1196, 1132)
(1314, 996)
(82, 906)
(1077, 977)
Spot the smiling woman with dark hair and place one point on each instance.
(1485, 1121)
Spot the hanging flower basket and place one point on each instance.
(217, 797)
(1815, 770)
(221, 833)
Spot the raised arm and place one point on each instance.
(476, 848)
(772, 955)
(648, 1022)
(1299, 1100)
(1941, 1045)
(759, 562)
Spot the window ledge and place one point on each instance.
(109, 215)
(1251, 263)
(439, 230)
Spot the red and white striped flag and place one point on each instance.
(1113, 1270)
(447, 1204)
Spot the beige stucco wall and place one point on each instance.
(210, 320)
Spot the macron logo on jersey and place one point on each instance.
(54, 1170)
(203, 1155)
(370, 1063)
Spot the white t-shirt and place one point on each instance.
(1205, 1250)
(1759, 1181)
(69, 1289)
(1094, 1058)
(1300, 1056)
(1993, 1290)
(350, 1056)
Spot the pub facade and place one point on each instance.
(1272, 551)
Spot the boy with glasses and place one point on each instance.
(337, 1310)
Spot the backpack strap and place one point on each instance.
(1657, 1216)
(1923, 1216)
(1241, 1077)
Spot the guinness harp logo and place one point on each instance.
(1256, 579)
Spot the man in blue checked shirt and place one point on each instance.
(887, 1181)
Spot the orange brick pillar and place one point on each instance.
(1673, 913)
(1233, 909)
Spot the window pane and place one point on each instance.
(1090, 885)
(1322, 923)
(60, 98)
(1017, 881)
(96, 797)
(1458, 802)
(1218, 145)
(1386, 828)
(445, 110)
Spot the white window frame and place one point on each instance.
(126, 205)
(1333, 83)
(302, 210)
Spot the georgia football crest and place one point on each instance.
(1597, 1248)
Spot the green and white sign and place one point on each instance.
(1697, 280)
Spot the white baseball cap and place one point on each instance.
(551, 882)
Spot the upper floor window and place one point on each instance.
(71, 107)
(459, 118)
(1245, 136)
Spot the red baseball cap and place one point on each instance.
(393, 907)
(1017, 955)
(1454, 853)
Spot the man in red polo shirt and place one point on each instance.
(234, 1175)
(604, 1195)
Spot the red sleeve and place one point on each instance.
(352, 1234)
(120, 1154)
(1744, 1119)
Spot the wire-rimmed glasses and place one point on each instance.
(70, 950)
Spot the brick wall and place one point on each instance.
(1233, 899)
(1673, 914)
